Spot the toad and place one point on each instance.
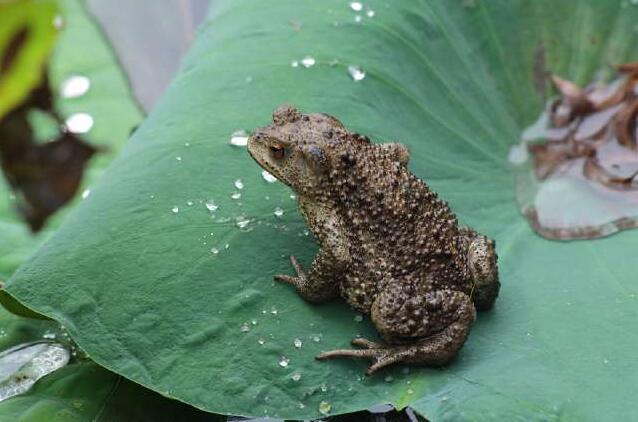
(388, 245)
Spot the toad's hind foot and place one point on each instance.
(447, 318)
(380, 354)
(431, 351)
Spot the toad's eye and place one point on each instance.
(277, 151)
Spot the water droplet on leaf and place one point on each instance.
(356, 73)
(325, 408)
(242, 221)
(284, 361)
(75, 86)
(239, 138)
(308, 61)
(79, 123)
(211, 206)
(268, 177)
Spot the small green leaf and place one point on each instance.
(27, 34)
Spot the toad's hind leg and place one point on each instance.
(426, 329)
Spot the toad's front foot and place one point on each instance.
(300, 279)
(381, 355)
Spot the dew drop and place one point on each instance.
(239, 184)
(189, 203)
(268, 177)
(358, 318)
(239, 138)
(325, 408)
(356, 73)
(370, 13)
(356, 6)
(242, 222)
(273, 311)
(214, 251)
(324, 388)
(58, 21)
(316, 339)
(86, 193)
(49, 335)
(410, 391)
(278, 212)
(294, 63)
(308, 61)
(235, 195)
(389, 378)
(357, 18)
(178, 158)
(261, 341)
(187, 144)
(211, 205)
(298, 343)
(175, 209)
(79, 123)
(245, 327)
(75, 86)
(296, 376)
(284, 361)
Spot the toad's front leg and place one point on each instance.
(438, 322)
(321, 283)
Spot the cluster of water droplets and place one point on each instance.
(355, 71)
(76, 86)
(359, 8)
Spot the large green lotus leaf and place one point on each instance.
(80, 50)
(133, 272)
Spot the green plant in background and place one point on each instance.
(163, 274)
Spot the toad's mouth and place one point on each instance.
(264, 163)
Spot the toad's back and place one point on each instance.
(397, 228)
